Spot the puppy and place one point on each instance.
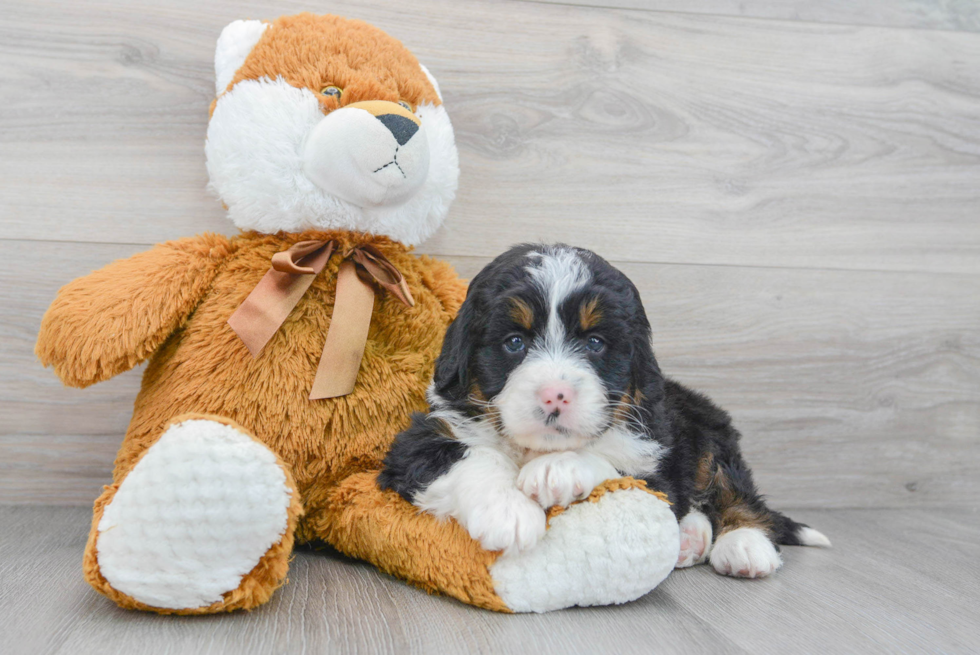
(546, 386)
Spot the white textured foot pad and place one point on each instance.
(197, 513)
(610, 551)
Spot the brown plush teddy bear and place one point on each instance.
(284, 360)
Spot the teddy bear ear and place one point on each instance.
(432, 79)
(236, 41)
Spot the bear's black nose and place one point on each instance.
(400, 127)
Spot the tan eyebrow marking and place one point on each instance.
(589, 314)
(522, 314)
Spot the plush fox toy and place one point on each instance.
(284, 360)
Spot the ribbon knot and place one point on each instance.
(293, 270)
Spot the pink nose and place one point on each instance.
(556, 396)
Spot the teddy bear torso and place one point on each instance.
(204, 368)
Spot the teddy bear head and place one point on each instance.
(325, 123)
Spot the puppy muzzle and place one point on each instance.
(370, 154)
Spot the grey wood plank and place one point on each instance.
(852, 388)
(881, 589)
(650, 136)
(962, 15)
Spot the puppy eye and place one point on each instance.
(595, 345)
(332, 91)
(514, 344)
(406, 105)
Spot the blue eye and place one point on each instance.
(514, 344)
(332, 91)
(595, 345)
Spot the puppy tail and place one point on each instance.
(791, 533)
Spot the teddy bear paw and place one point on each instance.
(612, 550)
(193, 516)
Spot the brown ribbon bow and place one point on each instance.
(280, 290)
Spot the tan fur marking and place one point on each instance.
(702, 478)
(589, 314)
(733, 511)
(522, 313)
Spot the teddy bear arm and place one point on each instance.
(114, 318)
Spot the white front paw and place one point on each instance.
(695, 539)
(558, 479)
(507, 521)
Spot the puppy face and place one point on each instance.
(553, 344)
(327, 123)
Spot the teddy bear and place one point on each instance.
(282, 361)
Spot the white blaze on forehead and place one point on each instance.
(558, 273)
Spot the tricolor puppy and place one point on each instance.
(546, 386)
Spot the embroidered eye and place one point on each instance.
(332, 91)
(514, 344)
(595, 345)
(406, 105)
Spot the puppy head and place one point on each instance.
(553, 344)
(327, 123)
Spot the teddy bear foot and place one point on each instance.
(611, 548)
(202, 523)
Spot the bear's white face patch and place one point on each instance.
(280, 164)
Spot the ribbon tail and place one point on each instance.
(346, 337)
(258, 318)
(265, 309)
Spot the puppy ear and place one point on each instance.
(234, 45)
(452, 376)
(644, 370)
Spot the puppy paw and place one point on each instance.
(745, 553)
(695, 539)
(509, 522)
(558, 478)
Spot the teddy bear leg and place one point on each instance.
(202, 523)
(613, 547)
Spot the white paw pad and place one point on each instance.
(195, 514)
(506, 521)
(557, 479)
(745, 553)
(610, 551)
(695, 539)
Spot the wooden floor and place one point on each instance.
(895, 581)
(793, 185)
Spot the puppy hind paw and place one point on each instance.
(745, 553)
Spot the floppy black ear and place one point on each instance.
(452, 376)
(644, 369)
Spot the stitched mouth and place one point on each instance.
(393, 162)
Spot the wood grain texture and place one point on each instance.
(956, 15)
(648, 136)
(852, 388)
(881, 589)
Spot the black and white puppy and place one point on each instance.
(546, 386)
